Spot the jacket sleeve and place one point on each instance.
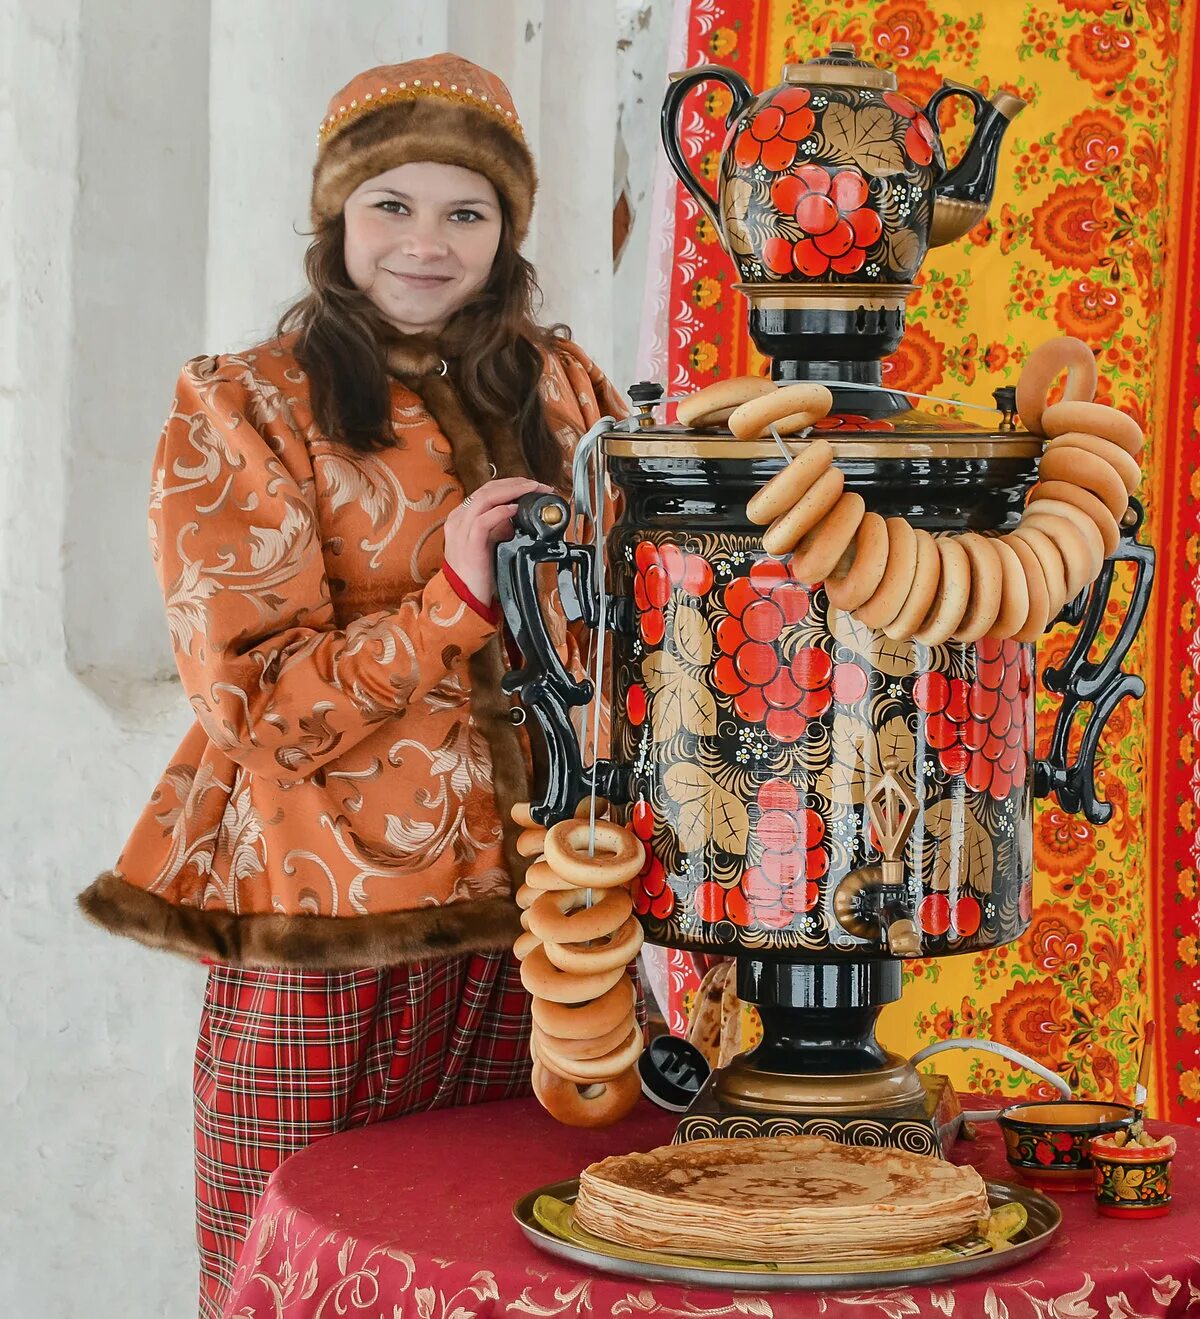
(276, 685)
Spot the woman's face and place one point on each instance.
(420, 241)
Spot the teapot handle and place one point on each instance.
(979, 103)
(1102, 685)
(682, 83)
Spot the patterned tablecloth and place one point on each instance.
(414, 1218)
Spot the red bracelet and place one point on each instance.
(489, 613)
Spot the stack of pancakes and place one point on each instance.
(780, 1199)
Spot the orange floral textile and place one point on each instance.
(335, 768)
(1092, 233)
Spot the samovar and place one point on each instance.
(816, 800)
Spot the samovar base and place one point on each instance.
(927, 1124)
(893, 1087)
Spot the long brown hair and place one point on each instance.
(342, 339)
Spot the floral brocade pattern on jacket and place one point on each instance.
(334, 767)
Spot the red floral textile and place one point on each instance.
(415, 1219)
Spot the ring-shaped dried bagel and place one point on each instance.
(543, 979)
(525, 944)
(593, 1048)
(868, 561)
(1094, 419)
(1082, 468)
(1072, 546)
(820, 549)
(521, 816)
(751, 420)
(586, 1020)
(583, 809)
(987, 589)
(1088, 530)
(889, 596)
(1039, 615)
(922, 588)
(617, 949)
(1087, 503)
(567, 918)
(712, 405)
(1043, 367)
(542, 877)
(585, 1070)
(817, 502)
(1054, 569)
(951, 598)
(526, 897)
(1014, 594)
(1125, 464)
(598, 1105)
(619, 854)
(531, 842)
(783, 489)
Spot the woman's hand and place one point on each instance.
(478, 525)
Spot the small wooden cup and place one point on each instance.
(1133, 1181)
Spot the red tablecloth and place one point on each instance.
(414, 1218)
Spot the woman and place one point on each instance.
(333, 834)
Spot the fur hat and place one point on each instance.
(442, 108)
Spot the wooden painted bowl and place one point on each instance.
(1133, 1181)
(1049, 1144)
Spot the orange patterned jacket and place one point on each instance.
(334, 803)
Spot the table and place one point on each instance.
(413, 1218)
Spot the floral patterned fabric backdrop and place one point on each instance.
(1092, 233)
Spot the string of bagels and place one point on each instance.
(579, 929)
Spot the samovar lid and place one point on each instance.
(841, 67)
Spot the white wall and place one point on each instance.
(154, 166)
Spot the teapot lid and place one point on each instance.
(841, 67)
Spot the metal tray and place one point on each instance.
(1045, 1218)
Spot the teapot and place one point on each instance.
(832, 187)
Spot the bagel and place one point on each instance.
(1045, 364)
(542, 979)
(987, 589)
(525, 897)
(1082, 468)
(1054, 568)
(590, 1048)
(712, 405)
(820, 549)
(952, 597)
(1014, 592)
(783, 489)
(520, 815)
(889, 596)
(588, 1019)
(817, 502)
(1094, 419)
(797, 405)
(597, 1105)
(1077, 554)
(1125, 465)
(868, 562)
(1050, 509)
(922, 587)
(583, 1071)
(1087, 503)
(541, 877)
(530, 842)
(525, 944)
(567, 918)
(617, 949)
(619, 854)
(1035, 580)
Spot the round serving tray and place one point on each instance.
(1044, 1220)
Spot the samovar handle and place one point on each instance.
(682, 82)
(1103, 685)
(542, 683)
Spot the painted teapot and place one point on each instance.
(834, 177)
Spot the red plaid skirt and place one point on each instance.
(286, 1057)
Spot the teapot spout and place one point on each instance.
(962, 198)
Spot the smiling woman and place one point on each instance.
(333, 836)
